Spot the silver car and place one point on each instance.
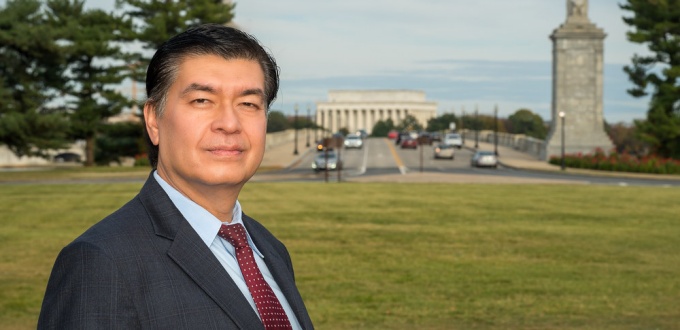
(443, 151)
(327, 160)
(484, 159)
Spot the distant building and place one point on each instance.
(362, 109)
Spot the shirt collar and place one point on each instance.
(204, 223)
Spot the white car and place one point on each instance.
(354, 141)
(453, 139)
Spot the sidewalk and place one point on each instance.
(282, 156)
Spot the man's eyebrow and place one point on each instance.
(253, 91)
(198, 87)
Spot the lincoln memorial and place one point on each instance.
(361, 109)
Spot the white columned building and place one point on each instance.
(362, 109)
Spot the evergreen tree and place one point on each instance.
(31, 66)
(657, 25)
(95, 67)
(156, 21)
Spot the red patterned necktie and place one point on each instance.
(272, 314)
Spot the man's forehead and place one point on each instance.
(191, 80)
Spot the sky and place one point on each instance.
(464, 55)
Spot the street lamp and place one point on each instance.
(307, 126)
(462, 125)
(562, 115)
(495, 130)
(476, 128)
(316, 125)
(295, 123)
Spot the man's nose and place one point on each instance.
(226, 119)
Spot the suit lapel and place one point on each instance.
(195, 258)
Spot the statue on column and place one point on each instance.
(577, 9)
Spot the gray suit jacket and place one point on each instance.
(144, 267)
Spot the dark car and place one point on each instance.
(425, 138)
(67, 157)
(401, 136)
(436, 136)
(408, 142)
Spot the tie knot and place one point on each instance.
(235, 234)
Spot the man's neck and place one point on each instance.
(219, 200)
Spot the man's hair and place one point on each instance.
(208, 39)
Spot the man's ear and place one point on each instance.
(151, 122)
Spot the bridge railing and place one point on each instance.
(519, 142)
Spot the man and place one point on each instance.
(168, 258)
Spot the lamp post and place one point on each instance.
(316, 126)
(307, 126)
(476, 128)
(495, 130)
(462, 125)
(295, 123)
(562, 115)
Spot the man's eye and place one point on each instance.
(251, 105)
(201, 101)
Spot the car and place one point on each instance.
(392, 135)
(67, 157)
(354, 141)
(443, 151)
(436, 136)
(453, 139)
(327, 160)
(484, 159)
(362, 133)
(425, 138)
(401, 136)
(408, 142)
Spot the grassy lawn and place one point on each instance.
(413, 256)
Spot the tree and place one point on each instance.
(382, 127)
(95, 67)
(442, 123)
(523, 121)
(625, 138)
(657, 24)
(409, 123)
(155, 21)
(31, 67)
(117, 140)
(277, 122)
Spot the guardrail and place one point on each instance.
(519, 142)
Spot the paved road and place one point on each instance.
(383, 161)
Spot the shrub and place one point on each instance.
(619, 162)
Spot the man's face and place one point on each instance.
(212, 132)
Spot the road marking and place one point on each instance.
(362, 169)
(400, 164)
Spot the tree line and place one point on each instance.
(61, 67)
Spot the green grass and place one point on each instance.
(413, 256)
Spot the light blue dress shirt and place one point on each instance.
(206, 226)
